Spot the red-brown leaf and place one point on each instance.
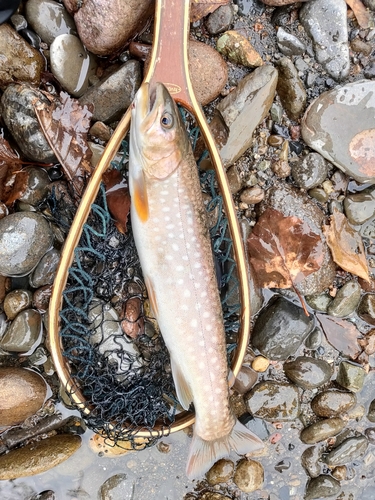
(13, 180)
(65, 125)
(341, 334)
(201, 8)
(118, 198)
(283, 250)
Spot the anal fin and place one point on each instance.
(183, 390)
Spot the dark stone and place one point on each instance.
(308, 373)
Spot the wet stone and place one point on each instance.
(371, 411)
(273, 401)
(252, 195)
(45, 271)
(322, 487)
(360, 207)
(42, 297)
(314, 340)
(210, 495)
(117, 486)
(310, 171)
(310, 460)
(49, 19)
(347, 451)
(245, 380)
(221, 472)
(290, 88)
(16, 301)
(289, 44)
(308, 373)
(319, 302)
(249, 475)
(332, 403)
(322, 430)
(36, 458)
(350, 376)
(17, 110)
(220, 20)
(346, 300)
(370, 434)
(22, 393)
(24, 239)
(280, 329)
(237, 49)
(37, 185)
(350, 148)
(366, 308)
(24, 333)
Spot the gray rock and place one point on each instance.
(326, 23)
(332, 403)
(273, 401)
(350, 376)
(314, 340)
(290, 88)
(360, 207)
(366, 308)
(36, 189)
(319, 302)
(322, 487)
(310, 460)
(24, 239)
(16, 301)
(280, 329)
(118, 486)
(346, 300)
(308, 373)
(220, 20)
(49, 19)
(350, 148)
(289, 44)
(322, 430)
(221, 472)
(24, 334)
(369, 3)
(371, 411)
(309, 171)
(245, 380)
(17, 110)
(71, 64)
(112, 96)
(347, 451)
(45, 271)
(370, 434)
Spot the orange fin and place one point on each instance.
(183, 390)
(140, 198)
(151, 296)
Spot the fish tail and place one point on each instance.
(204, 453)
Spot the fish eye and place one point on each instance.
(166, 120)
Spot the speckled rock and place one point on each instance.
(237, 49)
(310, 171)
(332, 403)
(350, 148)
(322, 487)
(221, 472)
(220, 20)
(322, 430)
(17, 110)
(310, 460)
(346, 300)
(308, 373)
(350, 376)
(347, 451)
(360, 207)
(24, 239)
(38, 457)
(289, 44)
(249, 475)
(273, 401)
(19, 61)
(24, 333)
(45, 271)
(16, 301)
(290, 89)
(116, 487)
(366, 308)
(49, 19)
(22, 393)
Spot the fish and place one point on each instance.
(169, 225)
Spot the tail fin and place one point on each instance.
(203, 453)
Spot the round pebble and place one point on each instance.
(332, 403)
(322, 487)
(347, 451)
(24, 333)
(49, 19)
(308, 373)
(260, 364)
(249, 475)
(16, 301)
(221, 472)
(322, 430)
(310, 171)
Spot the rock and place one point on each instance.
(238, 50)
(210, 495)
(260, 364)
(370, 434)
(289, 44)
(234, 179)
(24, 334)
(252, 195)
(347, 451)
(319, 302)
(49, 19)
(274, 401)
(350, 376)
(350, 148)
(308, 373)
(17, 110)
(322, 430)
(290, 88)
(322, 487)
(366, 308)
(249, 475)
(22, 393)
(281, 169)
(244, 108)
(310, 460)
(291, 202)
(7, 9)
(280, 329)
(332, 403)
(369, 3)
(16, 301)
(279, 3)
(314, 340)
(245, 380)
(45, 271)
(19, 61)
(361, 47)
(112, 96)
(38, 457)
(326, 23)
(24, 239)
(71, 64)
(371, 411)
(310, 171)
(133, 324)
(220, 20)
(221, 472)
(116, 487)
(346, 300)
(250, 7)
(36, 189)
(360, 207)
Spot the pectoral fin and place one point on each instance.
(151, 296)
(139, 196)
(183, 390)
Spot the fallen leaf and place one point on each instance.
(368, 342)
(346, 246)
(118, 198)
(65, 125)
(283, 250)
(13, 180)
(362, 14)
(201, 8)
(341, 334)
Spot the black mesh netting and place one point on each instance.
(127, 382)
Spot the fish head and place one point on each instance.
(158, 136)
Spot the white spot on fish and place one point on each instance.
(206, 314)
(175, 247)
(180, 281)
(203, 294)
(208, 327)
(166, 209)
(194, 323)
(201, 365)
(197, 265)
(169, 226)
(179, 268)
(201, 343)
(167, 218)
(187, 293)
(164, 193)
(184, 307)
(169, 257)
(185, 257)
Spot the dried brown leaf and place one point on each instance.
(362, 14)
(201, 8)
(118, 198)
(346, 246)
(65, 125)
(341, 334)
(368, 342)
(13, 180)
